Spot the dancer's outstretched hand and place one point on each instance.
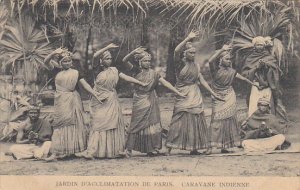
(193, 34)
(112, 46)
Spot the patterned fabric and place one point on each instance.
(145, 110)
(188, 128)
(188, 131)
(146, 140)
(224, 130)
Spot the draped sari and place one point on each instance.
(70, 134)
(224, 132)
(145, 128)
(188, 129)
(107, 136)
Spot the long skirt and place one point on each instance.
(68, 140)
(188, 131)
(106, 144)
(264, 144)
(224, 133)
(146, 140)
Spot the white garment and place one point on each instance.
(26, 151)
(255, 95)
(263, 144)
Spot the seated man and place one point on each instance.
(34, 139)
(263, 131)
(16, 116)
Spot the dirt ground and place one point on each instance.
(179, 163)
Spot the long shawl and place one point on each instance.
(145, 111)
(271, 76)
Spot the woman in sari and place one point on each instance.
(107, 135)
(144, 133)
(69, 130)
(188, 129)
(224, 130)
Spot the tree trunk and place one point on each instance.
(176, 35)
(144, 34)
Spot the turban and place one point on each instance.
(263, 101)
(105, 54)
(65, 56)
(142, 56)
(34, 109)
(259, 40)
(189, 47)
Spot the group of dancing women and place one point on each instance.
(108, 136)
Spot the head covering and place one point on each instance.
(141, 56)
(259, 40)
(268, 41)
(65, 55)
(263, 101)
(105, 54)
(189, 47)
(225, 53)
(34, 108)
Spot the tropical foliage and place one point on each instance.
(277, 24)
(253, 17)
(22, 42)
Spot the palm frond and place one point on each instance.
(24, 41)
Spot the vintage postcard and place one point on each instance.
(149, 94)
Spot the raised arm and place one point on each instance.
(48, 60)
(218, 52)
(127, 57)
(179, 48)
(170, 87)
(101, 51)
(131, 79)
(215, 56)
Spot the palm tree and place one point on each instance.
(204, 15)
(25, 46)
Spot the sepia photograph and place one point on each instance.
(149, 94)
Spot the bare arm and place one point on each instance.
(244, 79)
(48, 60)
(131, 79)
(101, 51)
(205, 84)
(207, 87)
(218, 52)
(88, 88)
(127, 57)
(20, 135)
(169, 86)
(181, 46)
(215, 55)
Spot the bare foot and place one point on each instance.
(52, 158)
(208, 151)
